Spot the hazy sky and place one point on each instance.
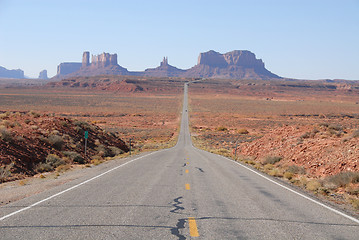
(302, 39)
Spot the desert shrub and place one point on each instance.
(288, 175)
(221, 129)
(63, 168)
(34, 114)
(275, 172)
(84, 125)
(355, 203)
(115, 150)
(272, 159)
(74, 156)
(352, 190)
(34, 127)
(355, 134)
(268, 167)
(44, 167)
(63, 124)
(342, 179)
(5, 135)
(296, 169)
(313, 185)
(242, 131)
(305, 135)
(54, 160)
(325, 125)
(5, 172)
(335, 127)
(56, 141)
(4, 115)
(20, 138)
(6, 123)
(27, 121)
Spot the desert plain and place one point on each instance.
(302, 132)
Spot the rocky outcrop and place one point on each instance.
(15, 73)
(43, 74)
(85, 59)
(102, 64)
(238, 64)
(67, 68)
(164, 70)
(104, 60)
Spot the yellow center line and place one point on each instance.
(187, 163)
(187, 186)
(186, 170)
(193, 231)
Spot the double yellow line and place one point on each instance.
(193, 231)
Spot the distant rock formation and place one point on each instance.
(15, 73)
(43, 74)
(103, 64)
(164, 70)
(67, 68)
(238, 64)
(86, 59)
(104, 60)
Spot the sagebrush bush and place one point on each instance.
(44, 167)
(272, 159)
(288, 175)
(221, 129)
(355, 134)
(242, 131)
(355, 203)
(342, 179)
(115, 150)
(5, 172)
(313, 185)
(56, 141)
(335, 127)
(296, 169)
(74, 156)
(54, 160)
(5, 135)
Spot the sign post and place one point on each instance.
(130, 146)
(86, 137)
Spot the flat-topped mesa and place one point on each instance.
(242, 58)
(104, 60)
(238, 64)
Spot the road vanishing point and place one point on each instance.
(177, 193)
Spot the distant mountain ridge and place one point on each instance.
(238, 64)
(14, 73)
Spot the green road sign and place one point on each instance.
(86, 134)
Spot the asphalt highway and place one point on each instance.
(177, 193)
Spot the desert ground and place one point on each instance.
(305, 135)
(303, 132)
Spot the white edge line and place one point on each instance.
(73, 187)
(293, 191)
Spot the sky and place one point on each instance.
(303, 39)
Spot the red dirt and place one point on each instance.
(25, 140)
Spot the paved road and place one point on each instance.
(179, 193)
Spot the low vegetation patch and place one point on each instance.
(342, 179)
(272, 160)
